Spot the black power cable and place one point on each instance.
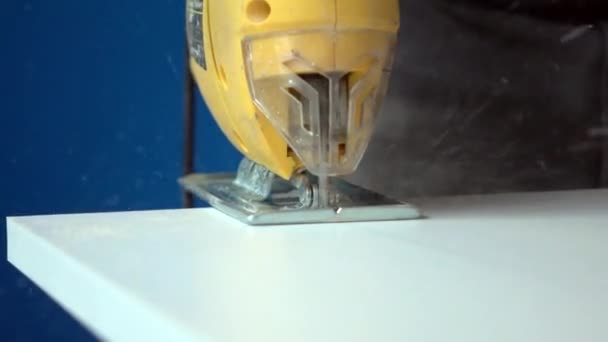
(189, 123)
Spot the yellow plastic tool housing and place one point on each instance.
(237, 44)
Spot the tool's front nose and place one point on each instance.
(322, 90)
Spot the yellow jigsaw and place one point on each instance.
(296, 86)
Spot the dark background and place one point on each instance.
(91, 120)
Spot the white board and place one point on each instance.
(484, 268)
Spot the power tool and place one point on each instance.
(296, 86)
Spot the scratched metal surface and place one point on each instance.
(502, 97)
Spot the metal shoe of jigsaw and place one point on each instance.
(296, 86)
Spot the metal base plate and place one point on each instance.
(356, 204)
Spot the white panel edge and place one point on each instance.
(71, 283)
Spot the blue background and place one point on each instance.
(91, 120)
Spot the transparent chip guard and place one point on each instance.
(324, 99)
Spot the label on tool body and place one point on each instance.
(196, 41)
